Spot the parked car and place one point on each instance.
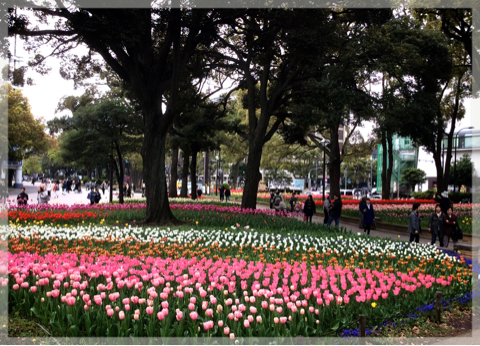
(376, 196)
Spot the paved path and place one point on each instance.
(68, 199)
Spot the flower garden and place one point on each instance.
(86, 270)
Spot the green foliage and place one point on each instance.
(26, 135)
(32, 165)
(413, 177)
(465, 172)
(424, 194)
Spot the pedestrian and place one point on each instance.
(281, 208)
(335, 210)
(22, 197)
(276, 200)
(222, 193)
(69, 185)
(103, 187)
(129, 191)
(326, 209)
(450, 221)
(55, 188)
(293, 202)
(97, 196)
(435, 225)
(309, 208)
(444, 201)
(143, 189)
(42, 196)
(368, 216)
(361, 205)
(91, 195)
(64, 187)
(272, 197)
(414, 224)
(227, 194)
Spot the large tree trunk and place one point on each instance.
(252, 175)
(158, 209)
(335, 162)
(184, 188)
(193, 174)
(174, 174)
(121, 175)
(111, 183)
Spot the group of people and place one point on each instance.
(442, 223)
(332, 209)
(94, 195)
(224, 193)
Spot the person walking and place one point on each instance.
(414, 224)
(444, 201)
(129, 191)
(368, 216)
(55, 187)
(281, 208)
(222, 193)
(143, 189)
(309, 208)
(272, 197)
(69, 185)
(97, 196)
(64, 187)
(91, 195)
(335, 210)
(293, 201)
(103, 187)
(42, 196)
(276, 200)
(22, 197)
(435, 225)
(361, 205)
(326, 209)
(451, 223)
(227, 194)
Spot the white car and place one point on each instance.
(376, 196)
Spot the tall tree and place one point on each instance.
(148, 48)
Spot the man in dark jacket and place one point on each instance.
(227, 194)
(335, 211)
(309, 208)
(293, 202)
(22, 198)
(222, 193)
(272, 196)
(444, 201)
(436, 225)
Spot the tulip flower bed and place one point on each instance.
(200, 214)
(399, 214)
(235, 282)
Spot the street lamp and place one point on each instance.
(455, 163)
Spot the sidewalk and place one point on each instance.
(68, 199)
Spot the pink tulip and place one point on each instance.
(179, 316)
(160, 316)
(121, 315)
(246, 323)
(209, 312)
(149, 310)
(33, 289)
(259, 319)
(264, 304)
(110, 312)
(283, 320)
(71, 301)
(250, 318)
(226, 330)
(232, 336)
